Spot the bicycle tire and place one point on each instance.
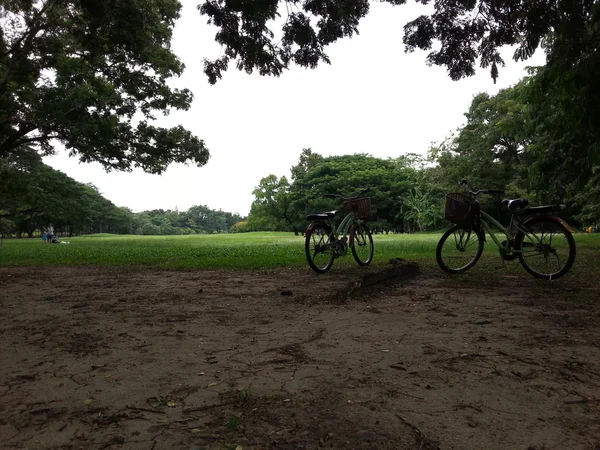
(324, 230)
(438, 251)
(368, 240)
(553, 223)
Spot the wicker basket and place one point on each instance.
(359, 206)
(462, 210)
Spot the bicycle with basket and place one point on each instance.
(542, 241)
(324, 241)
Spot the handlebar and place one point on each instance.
(488, 191)
(464, 184)
(345, 199)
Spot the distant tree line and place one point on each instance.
(33, 195)
(196, 220)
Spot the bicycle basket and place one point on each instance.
(462, 210)
(359, 206)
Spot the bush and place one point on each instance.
(239, 227)
(7, 227)
(148, 229)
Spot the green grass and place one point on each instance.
(242, 251)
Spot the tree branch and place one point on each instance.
(32, 31)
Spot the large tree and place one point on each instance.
(388, 179)
(490, 149)
(565, 112)
(460, 34)
(272, 207)
(92, 75)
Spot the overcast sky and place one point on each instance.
(372, 99)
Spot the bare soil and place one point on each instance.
(97, 358)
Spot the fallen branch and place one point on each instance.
(409, 395)
(155, 411)
(369, 285)
(583, 400)
(207, 407)
(465, 406)
(432, 414)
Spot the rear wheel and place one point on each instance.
(362, 243)
(548, 249)
(318, 249)
(459, 249)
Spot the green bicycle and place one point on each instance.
(324, 241)
(542, 241)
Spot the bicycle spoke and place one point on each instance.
(459, 249)
(318, 249)
(543, 248)
(362, 249)
(460, 245)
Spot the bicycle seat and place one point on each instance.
(544, 209)
(517, 203)
(322, 216)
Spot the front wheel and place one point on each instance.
(361, 242)
(459, 249)
(547, 250)
(318, 249)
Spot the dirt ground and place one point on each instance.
(285, 359)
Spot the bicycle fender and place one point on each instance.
(564, 223)
(351, 241)
(556, 219)
(312, 226)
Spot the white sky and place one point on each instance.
(373, 98)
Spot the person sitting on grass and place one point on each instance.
(50, 233)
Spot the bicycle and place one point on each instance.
(529, 236)
(322, 236)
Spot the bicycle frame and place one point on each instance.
(486, 219)
(344, 227)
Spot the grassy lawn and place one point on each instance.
(244, 251)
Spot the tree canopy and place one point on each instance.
(537, 140)
(459, 34)
(93, 75)
(281, 205)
